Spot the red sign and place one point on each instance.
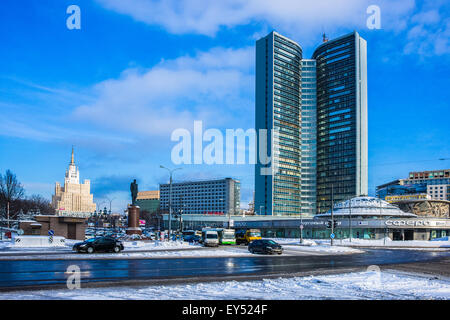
(214, 212)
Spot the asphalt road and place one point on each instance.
(15, 275)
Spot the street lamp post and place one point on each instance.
(332, 217)
(350, 218)
(301, 227)
(170, 197)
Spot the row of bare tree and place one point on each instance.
(13, 199)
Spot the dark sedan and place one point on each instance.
(265, 246)
(101, 244)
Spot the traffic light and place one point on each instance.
(334, 224)
(329, 222)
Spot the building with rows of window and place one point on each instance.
(218, 197)
(316, 110)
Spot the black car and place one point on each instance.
(105, 244)
(265, 246)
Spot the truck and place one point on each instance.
(210, 238)
(247, 236)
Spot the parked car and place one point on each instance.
(104, 244)
(192, 238)
(265, 247)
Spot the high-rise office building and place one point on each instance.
(341, 119)
(278, 91)
(309, 138)
(318, 109)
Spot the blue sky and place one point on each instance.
(138, 69)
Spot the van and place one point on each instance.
(210, 238)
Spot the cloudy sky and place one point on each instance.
(139, 69)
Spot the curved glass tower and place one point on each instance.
(341, 119)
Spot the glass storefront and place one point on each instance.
(344, 233)
(436, 234)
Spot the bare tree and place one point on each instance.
(10, 190)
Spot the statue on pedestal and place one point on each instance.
(133, 211)
(134, 192)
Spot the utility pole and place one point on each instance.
(301, 227)
(170, 197)
(332, 217)
(350, 219)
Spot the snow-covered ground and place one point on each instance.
(367, 242)
(155, 249)
(372, 285)
(389, 243)
(8, 246)
(322, 248)
(201, 252)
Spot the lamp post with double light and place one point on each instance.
(170, 197)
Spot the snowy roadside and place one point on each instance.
(159, 249)
(384, 285)
(388, 243)
(6, 247)
(311, 246)
(175, 253)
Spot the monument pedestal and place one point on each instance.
(133, 220)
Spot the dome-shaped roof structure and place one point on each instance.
(366, 207)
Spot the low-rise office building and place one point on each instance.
(148, 201)
(435, 184)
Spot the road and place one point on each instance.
(15, 275)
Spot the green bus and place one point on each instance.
(227, 236)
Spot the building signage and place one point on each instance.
(74, 214)
(412, 223)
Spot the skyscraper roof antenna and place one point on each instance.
(72, 162)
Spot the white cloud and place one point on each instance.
(214, 86)
(289, 16)
(422, 27)
(429, 33)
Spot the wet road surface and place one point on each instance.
(27, 274)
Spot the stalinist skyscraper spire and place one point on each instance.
(73, 196)
(72, 162)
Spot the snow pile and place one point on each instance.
(385, 285)
(156, 245)
(436, 243)
(312, 246)
(38, 241)
(388, 242)
(284, 241)
(324, 248)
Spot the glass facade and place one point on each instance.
(397, 190)
(308, 138)
(318, 110)
(202, 197)
(341, 119)
(278, 99)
